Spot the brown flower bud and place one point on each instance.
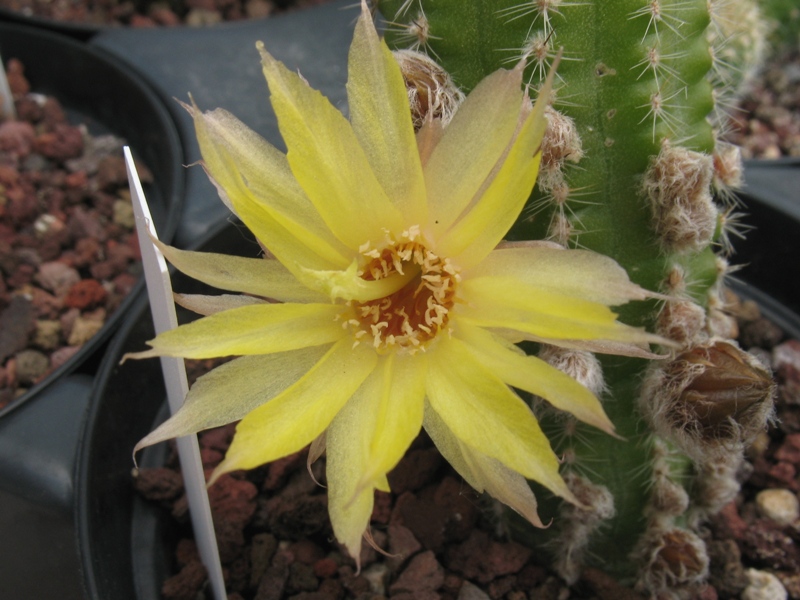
(431, 91)
(674, 560)
(726, 392)
(711, 398)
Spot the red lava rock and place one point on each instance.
(278, 471)
(355, 584)
(425, 519)
(726, 572)
(382, 509)
(62, 355)
(402, 545)
(186, 584)
(218, 439)
(210, 458)
(232, 500)
(728, 523)
(16, 137)
(606, 587)
(423, 574)
(416, 469)
(17, 322)
(274, 580)
(301, 578)
(159, 484)
(57, 277)
(62, 143)
(482, 559)
(460, 500)
(325, 568)
(186, 552)
(789, 450)
(770, 547)
(261, 552)
(306, 552)
(83, 223)
(86, 293)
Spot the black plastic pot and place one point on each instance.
(108, 97)
(122, 538)
(124, 541)
(39, 432)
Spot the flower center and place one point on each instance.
(412, 316)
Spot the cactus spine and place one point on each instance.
(630, 164)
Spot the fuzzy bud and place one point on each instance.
(710, 399)
(579, 522)
(678, 186)
(673, 560)
(561, 141)
(582, 366)
(681, 321)
(727, 167)
(431, 91)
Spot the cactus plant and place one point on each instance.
(629, 168)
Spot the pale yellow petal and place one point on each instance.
(256, 329)
(471, 146)
(368, 438)
(486, 415)
(296, 417)
(505, 302)
(533, 375)
(482, 472)
(327, 160)
(209, 305)
(501, 202)
(258, 276)
(254, 180)
(381, 118)
(579, 273)
(232, 390)
(399, 408)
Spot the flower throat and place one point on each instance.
(412, 316)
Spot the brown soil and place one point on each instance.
(443, 540)
(151, 13)
(68, 253)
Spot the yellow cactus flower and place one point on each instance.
(387, 302)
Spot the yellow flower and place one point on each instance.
(391, 306)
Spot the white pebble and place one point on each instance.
(763, 586)
(778, 505)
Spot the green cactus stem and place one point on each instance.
(629, 169)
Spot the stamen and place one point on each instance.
(410, 318)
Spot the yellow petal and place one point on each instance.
(578, 273)
(534, 376)
(232, 390)
(381, 118)
(483, 413)
(482, 472)
(505, 302)
(256, 329)
(471, 146)
(348, 285)
(209, 305)
(258, 276)
(296, 417)
(501, 202)
(368, 438)
(328, 161)
(254, 179)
